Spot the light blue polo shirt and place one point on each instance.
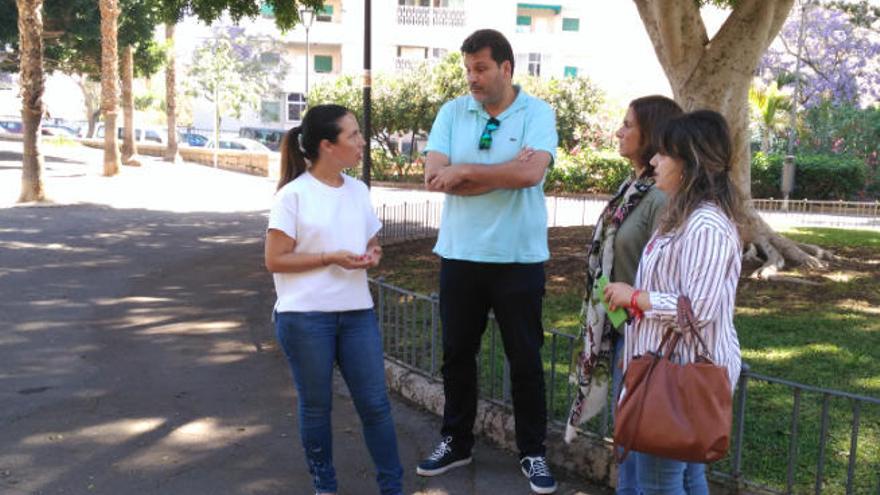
(504, 225)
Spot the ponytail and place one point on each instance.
(293, 162)
(302, 142)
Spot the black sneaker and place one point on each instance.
(536, 470)
(443, 459)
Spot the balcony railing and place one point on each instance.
(408, 15)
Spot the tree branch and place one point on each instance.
(748, 31)
(678, 34)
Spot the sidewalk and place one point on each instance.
(137, 353)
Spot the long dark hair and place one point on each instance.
(701, 140)
(651, 113)
(303, 141)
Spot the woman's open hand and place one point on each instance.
(347, 260)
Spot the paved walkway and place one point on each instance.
(136, 355)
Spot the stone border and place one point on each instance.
(588, 457)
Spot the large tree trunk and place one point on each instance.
(171, 154)
(129, 146)
(109, 76)
(715, 74)
(30, 29)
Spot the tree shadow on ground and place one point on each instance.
(138, 356)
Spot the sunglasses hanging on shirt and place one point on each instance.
(492, 125)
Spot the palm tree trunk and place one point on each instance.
(109, 76)
(30, 29)
(129, 146)
(171, 154)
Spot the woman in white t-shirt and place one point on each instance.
(322, 236)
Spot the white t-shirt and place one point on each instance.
(322, 218)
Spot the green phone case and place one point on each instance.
(617, 316)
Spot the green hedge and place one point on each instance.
(817, 176)
(587, 171)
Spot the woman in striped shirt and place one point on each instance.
(696, 252)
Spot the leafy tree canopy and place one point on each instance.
(286, 11)
(72, 34)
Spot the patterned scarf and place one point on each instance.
(594, 362)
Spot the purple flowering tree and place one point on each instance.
(839, 59)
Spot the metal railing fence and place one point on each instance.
(827, 440)
(408, 221)
(419, 220)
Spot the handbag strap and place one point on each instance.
(688, 322)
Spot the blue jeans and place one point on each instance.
(313, 342)
(645, 474)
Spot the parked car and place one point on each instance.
(270, 137)
(192, 139)
(239, 143)
(58, 130)
(142, 134)
(11, 126)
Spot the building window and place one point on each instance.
(325, 14)
(439, 52)
(534, 64)
(571, 24)
(570, 71)
(523, 23)
(323, 63)
(412, 52)
(270, 111)
(296, 106)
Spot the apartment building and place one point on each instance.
(548, 41)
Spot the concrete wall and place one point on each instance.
(249, 162)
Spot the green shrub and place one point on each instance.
(766, 175)
(817, 176)
(584, 170)
(609, 170)
(385, 167)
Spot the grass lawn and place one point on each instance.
(825, 334)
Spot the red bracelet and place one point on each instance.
(634, 304)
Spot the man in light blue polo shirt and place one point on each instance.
(489, 151)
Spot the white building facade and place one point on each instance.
(548, 41)
(604, 40)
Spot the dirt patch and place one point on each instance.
(412, 265)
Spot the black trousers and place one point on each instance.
(514, 291)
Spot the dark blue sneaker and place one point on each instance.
(536, 470)
(443, 459)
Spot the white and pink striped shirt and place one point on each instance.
(702, 260)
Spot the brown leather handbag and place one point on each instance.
(676, 411)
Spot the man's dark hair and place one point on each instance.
(496, 41)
